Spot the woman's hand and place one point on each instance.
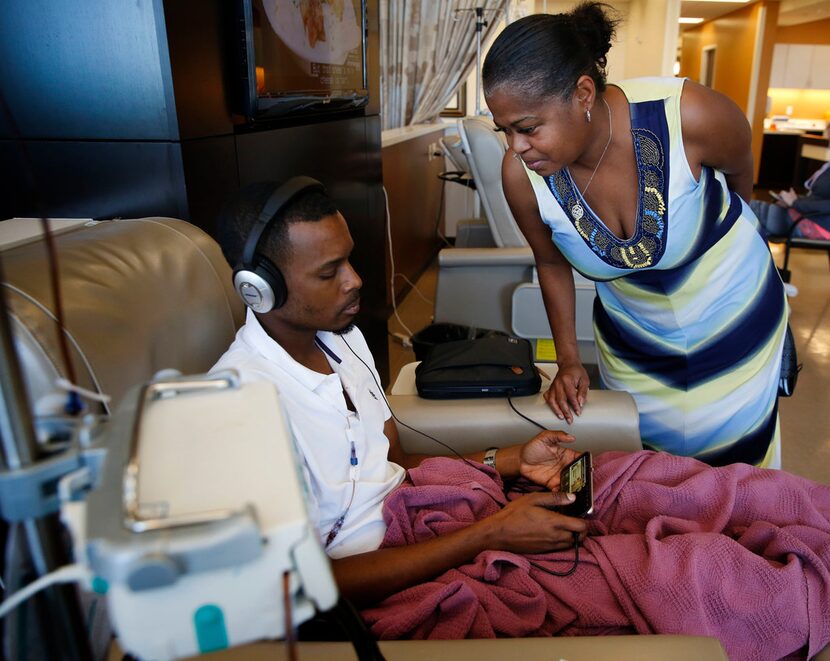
(542, 458)
(528, 525)
(568, 391)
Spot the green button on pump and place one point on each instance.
(210, 628)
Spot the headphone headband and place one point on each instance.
(258, 280)
(279, 198)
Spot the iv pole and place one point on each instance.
(62, 618)
(60, 613)
(479, 26)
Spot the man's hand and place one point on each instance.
(542, 458)
(528, 525)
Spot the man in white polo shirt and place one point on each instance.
(290, 249)
(661, 521)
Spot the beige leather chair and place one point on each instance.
(138, 296)
(144, 295)
(484, 149)
(469, 232)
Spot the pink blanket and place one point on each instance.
(739, 553)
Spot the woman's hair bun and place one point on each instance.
(543, 55)
(596, 26)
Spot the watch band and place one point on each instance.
(490, 457)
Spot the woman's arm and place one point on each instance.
(811, 205)
(717, 134)
(821, 184)
(569, 389)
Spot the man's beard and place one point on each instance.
(344, 330)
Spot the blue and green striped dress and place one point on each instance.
(690, 311)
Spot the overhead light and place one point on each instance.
(689, 21)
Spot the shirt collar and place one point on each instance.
(259, 339)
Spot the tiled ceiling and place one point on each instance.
(791, 12)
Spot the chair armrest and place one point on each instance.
(578, 648)
(609, 419)
(485, 256)
(473, 233)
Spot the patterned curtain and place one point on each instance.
(427, 49)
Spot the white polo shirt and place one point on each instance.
(325, 429)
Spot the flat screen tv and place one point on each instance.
(301, 56)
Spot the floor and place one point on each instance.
(805, 417)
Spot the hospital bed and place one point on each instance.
(154, 293)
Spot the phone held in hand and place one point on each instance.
(577, 478)
(775, 196)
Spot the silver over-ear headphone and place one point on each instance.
(257, 279)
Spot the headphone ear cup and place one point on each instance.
(271, 273)
(258, 281)
(261, 289)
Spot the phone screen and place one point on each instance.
(576, 478)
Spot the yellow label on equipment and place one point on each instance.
(545, 350)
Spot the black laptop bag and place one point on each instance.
(494, 366)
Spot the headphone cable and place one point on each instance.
(522, 415)
(570, 570)
(395, 417)
(567, 572)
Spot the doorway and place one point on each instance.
(707, 67)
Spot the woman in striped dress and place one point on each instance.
(642, 187)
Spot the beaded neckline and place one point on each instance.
(646, 246)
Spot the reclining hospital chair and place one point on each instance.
(144, 295)
(469, 232)
(496, 287)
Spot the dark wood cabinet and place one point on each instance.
(127, 109)
(780, 156)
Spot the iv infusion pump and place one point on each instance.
(195, 521)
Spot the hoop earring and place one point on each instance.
(588, 115)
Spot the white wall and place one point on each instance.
(651, 37)
(648, 28)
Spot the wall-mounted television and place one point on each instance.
(300, 56)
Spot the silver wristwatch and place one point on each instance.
(490, 457)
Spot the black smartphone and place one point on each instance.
(577, 478)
